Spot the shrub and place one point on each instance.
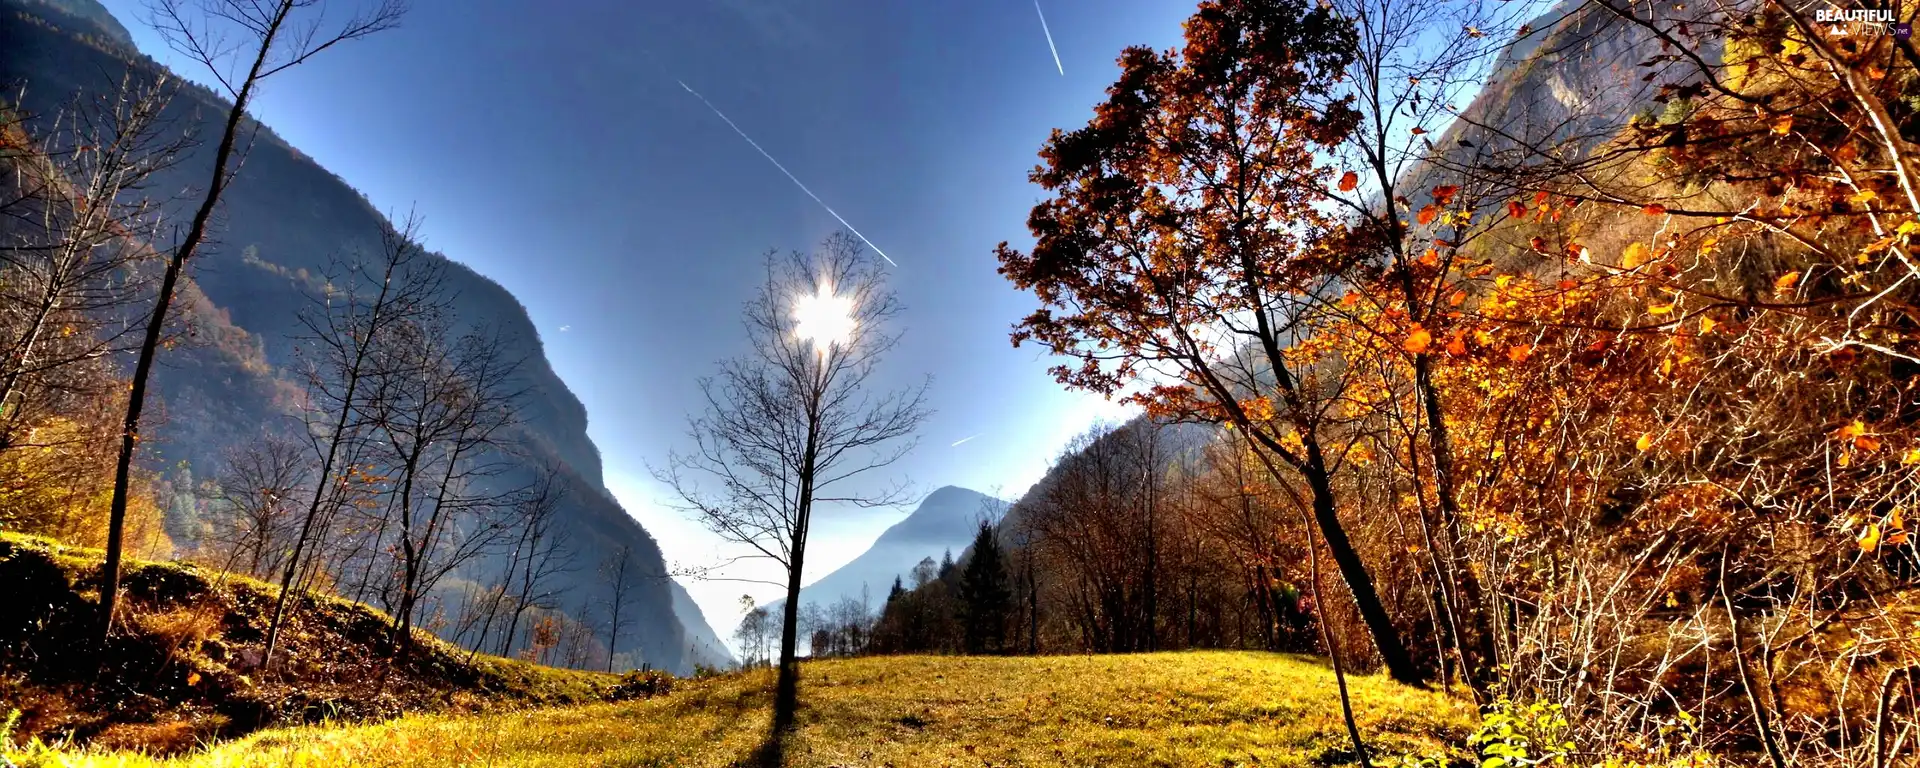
(641, 684)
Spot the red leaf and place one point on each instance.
(1349, 181)
(1428, 214)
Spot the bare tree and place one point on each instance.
(542, 551)
(364, 303)
(277, 39)
(75, 218)
(441, 407)
(790, 424)
(256, 497)
(754, 634)
(622, 577)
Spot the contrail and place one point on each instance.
(783, 169)
(957, 443)
(1049, 34)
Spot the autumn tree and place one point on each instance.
(796, 422)
(1182, 247)
(278, 36)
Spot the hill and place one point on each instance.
(183, 668)
(284, 220)
(1210, 708)
(944, 521)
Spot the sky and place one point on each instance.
(550, 146)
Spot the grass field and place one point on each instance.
(1168, 709)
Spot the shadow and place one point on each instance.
(771, 753)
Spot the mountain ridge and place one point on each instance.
(284, 219)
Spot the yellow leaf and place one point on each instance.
(1636, 255)
(1782, 125)
(1645, 443)
(1706, 325)
(193, 678)
(1907, 228)
(1870, 537)
(1863, 196)
(1786, 282)
(1659, 309)
(1912, 457)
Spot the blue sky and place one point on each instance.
(548, 146)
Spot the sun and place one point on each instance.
(823, 318)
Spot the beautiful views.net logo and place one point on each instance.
(1862, 21)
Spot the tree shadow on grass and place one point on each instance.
(771, 753)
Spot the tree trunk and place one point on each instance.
(149, 346)
(1386, 637)
(786, 698)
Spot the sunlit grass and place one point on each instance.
(1176, 709)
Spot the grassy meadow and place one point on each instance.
(1165, 709)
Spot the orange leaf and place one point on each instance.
(1645, 443)
(1782, 125)
(1515, 209)
(1457, 346)
(1443, 194)
(1654, 209)
(1851, 431)
(1870, 537)
(1786, 282)
(1866, 443)
(1458, 298)
(1349, 181)
(1428, 214)
(1418, 341)
(1519, 353)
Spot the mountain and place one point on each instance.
(945, 520)
(703, 645)
(282, 222)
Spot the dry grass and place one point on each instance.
(1170, 709)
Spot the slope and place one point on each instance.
(283, 222)
(1201, 708)
(181, 672)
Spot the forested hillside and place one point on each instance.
(244, 352)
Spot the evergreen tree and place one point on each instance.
(896, 592)
(946, 565)
(985, 597)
